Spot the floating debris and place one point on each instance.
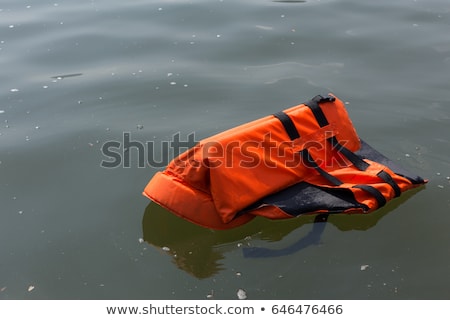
(14, 90)
(364, 267)
(140, 126)
(141, 240)
(30, 288)
(242, 295)
(165, 248)
(210, 295)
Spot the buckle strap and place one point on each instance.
(288, 124)
(313, 104)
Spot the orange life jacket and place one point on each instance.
(306, 159)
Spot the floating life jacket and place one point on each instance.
(303, 160)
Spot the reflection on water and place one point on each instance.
(199, 251)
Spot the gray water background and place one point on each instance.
(77, 74)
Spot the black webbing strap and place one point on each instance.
(291, 130)
(288, 124)
(310, 163)
(386, 177)
(313, 104)
(381, 200)
(356, 160)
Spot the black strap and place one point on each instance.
(381, 200)
(309, 162)
(356, 160)
(386, 177)
(313, 104)
(288, 124)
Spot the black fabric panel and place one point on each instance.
(304, 198)
(366, 151)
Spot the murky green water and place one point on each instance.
(77, 74)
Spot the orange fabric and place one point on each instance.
(210, 183)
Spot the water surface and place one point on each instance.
(76, 75)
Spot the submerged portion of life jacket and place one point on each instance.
(303, 160)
